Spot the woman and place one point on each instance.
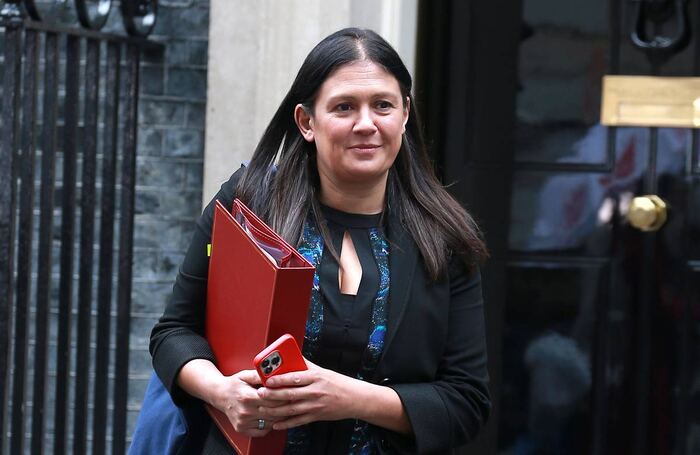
(395, 333)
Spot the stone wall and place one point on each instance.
(169, 170)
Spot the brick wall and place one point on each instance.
(169, 170)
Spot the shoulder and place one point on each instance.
(227, 192)
(461, 274)
(225, 195)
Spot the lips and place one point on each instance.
(364, 147)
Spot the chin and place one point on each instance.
(360, 175)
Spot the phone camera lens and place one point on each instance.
(275, 360)
(267, 370)
(266, 363)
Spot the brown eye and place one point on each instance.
(343, 107)
(384, 105)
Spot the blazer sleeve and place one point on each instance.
(178, 336)
(449, 411)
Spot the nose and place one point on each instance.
(365, 121)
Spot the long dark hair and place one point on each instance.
(437, 222)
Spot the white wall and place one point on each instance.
(255, 50)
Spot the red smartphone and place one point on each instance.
(282, 356)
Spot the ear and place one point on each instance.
(406, 112)
(304, 122)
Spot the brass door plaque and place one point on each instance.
(651, 101)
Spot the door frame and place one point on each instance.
(466, 86)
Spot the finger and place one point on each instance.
(245, 405)
(249, 399)
(293, 422)
(253, 424)
(269, 421)
(286, 411)
(294, 379)
(250, 377)
(271, 403)
(249, 406)
(282, 394)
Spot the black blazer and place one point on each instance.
(434, 355)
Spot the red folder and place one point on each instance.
(252, 299)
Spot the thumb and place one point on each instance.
(250, 377)
(310, 365)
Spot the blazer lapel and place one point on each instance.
(403, 255)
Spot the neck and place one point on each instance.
(354, 198)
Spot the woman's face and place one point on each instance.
(358, 119)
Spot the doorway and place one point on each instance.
(594, 325)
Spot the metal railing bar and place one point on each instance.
(24, 243)
(104, 286)
(8, 150)
(126, 233)
(91, 34)
(43, 280)
(23, 415)
(87, 234)
(67, 237)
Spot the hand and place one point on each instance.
(237, 397)
(310, 396)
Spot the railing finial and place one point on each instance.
(10, 13)
(138, 16)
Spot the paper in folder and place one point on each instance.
(259, 289)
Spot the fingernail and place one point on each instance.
(297, 379)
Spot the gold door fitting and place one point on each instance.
(647, 213)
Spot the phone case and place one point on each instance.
(282, 356)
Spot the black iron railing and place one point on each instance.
(85, 117)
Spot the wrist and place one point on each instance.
(381, 406)
(215, 391)
(363, 400)
(200, 378)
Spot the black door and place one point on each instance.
(594, 324)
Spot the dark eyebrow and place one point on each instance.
(385, 95)
(339, 97)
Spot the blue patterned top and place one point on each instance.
(316, 348)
